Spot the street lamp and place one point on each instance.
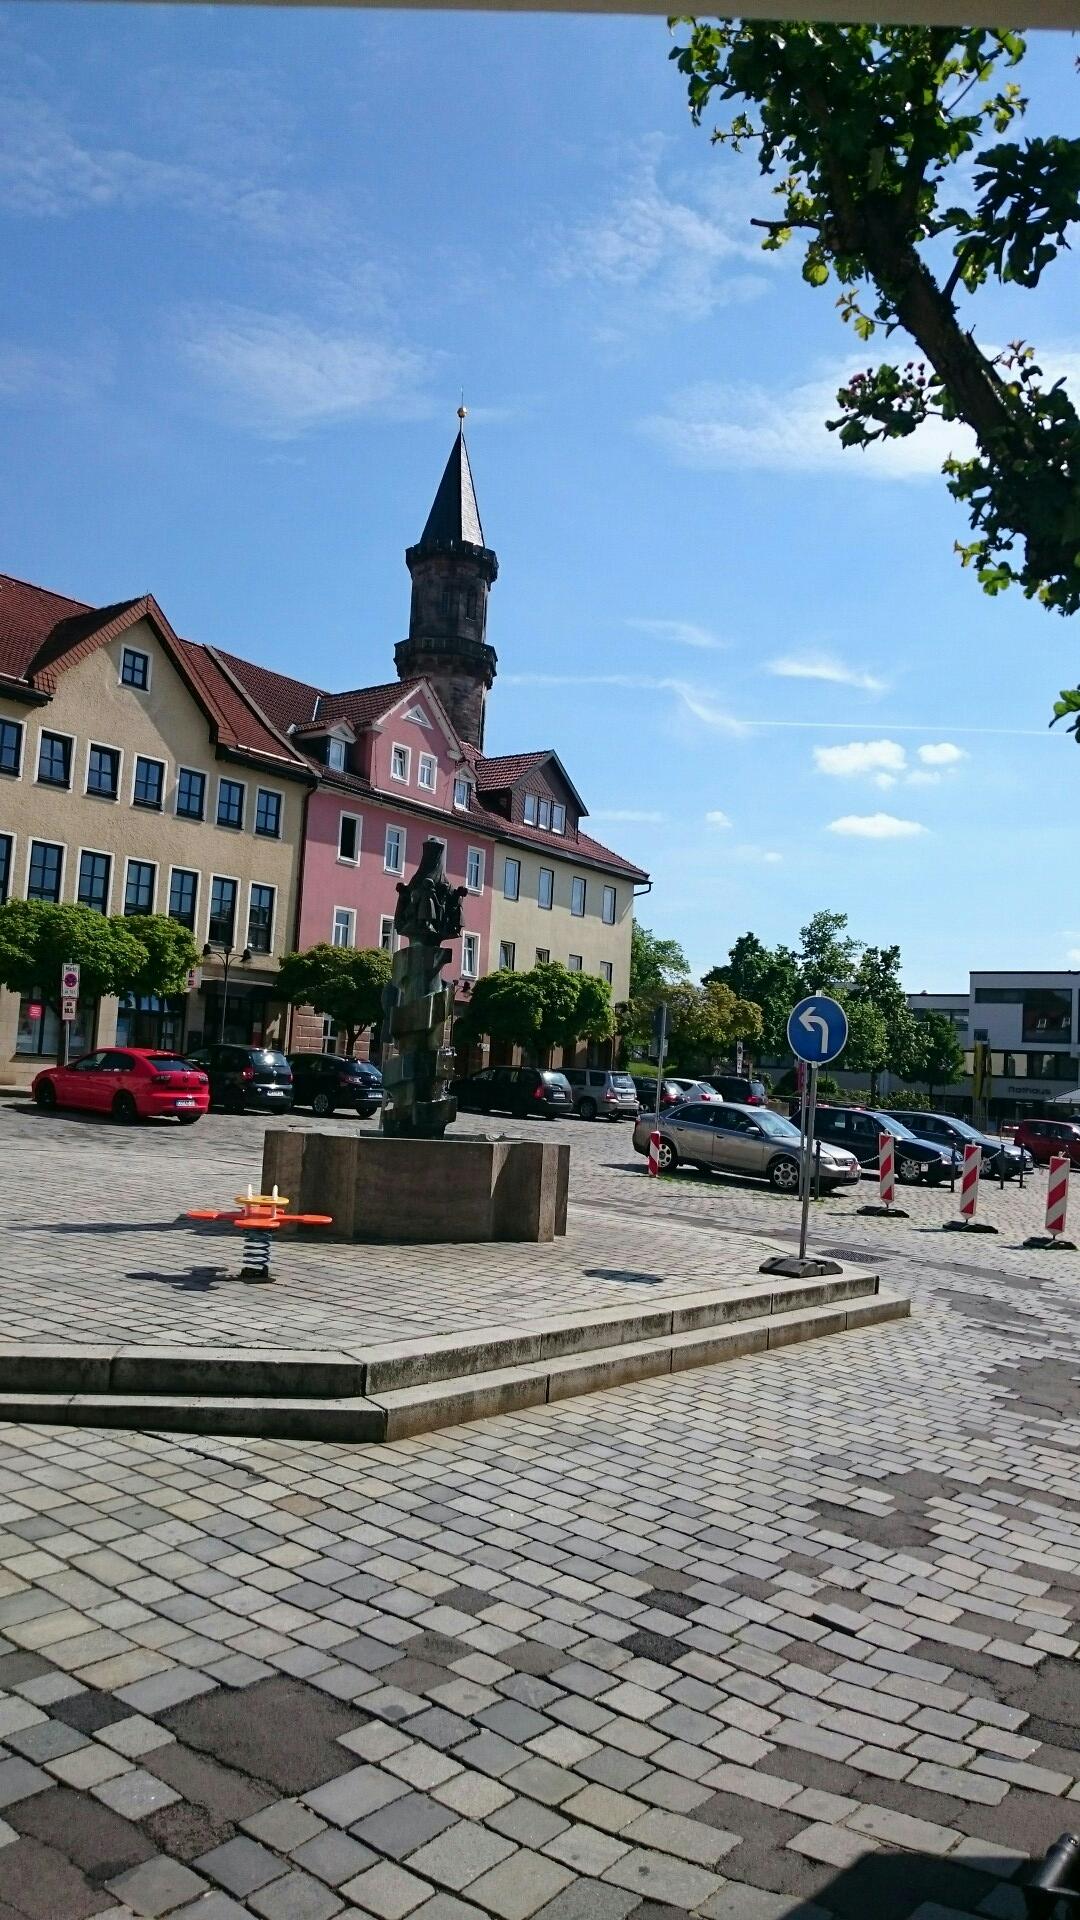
(226, 951)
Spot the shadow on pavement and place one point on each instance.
(917, 1886)
(101, 1226)
(192, 1280)
(625, 1276)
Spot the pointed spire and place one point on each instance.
(455, 517)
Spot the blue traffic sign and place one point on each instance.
(817, 1029)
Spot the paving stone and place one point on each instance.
(134, 1735)
(837, 1846)
(527, 1822)
(689, 1840)
(520, 1886)
(223, 1791)
(472, 1794)
(586, 1850)
(18, 1779)
(657, 1876)
(241, 1865)
(93, 1838)
(284, 1825)
(401, 1826)
(88, 1766)
(460, 1854)
(388, 1891)
(588, 1900)
(135, 1794)
(157, 1886)
(354, 1794)
(212, 1906)
(47, 1885)
(600, 1807)
(333, 1856)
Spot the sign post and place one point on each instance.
(69, 1004)
(659, 1050)
(817, 1032)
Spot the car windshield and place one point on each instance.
(963, 1127)
(169, 1062)
(896, 1127)
(775, 1125)
(555, 1079)
(267, 1057)
(624, 1081)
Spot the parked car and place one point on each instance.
(738, 1087)
(857, 1128)
(516, 1090)
(696, 1090)
(246, 1077)
(130, 1083)
(671, 1095)
(740, 1139)
(326, 1081)
(600, 1093)
(946, 1130)
(1044, 1138)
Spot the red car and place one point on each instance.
(1044, 1138)
(130, 1083)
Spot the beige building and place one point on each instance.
(137, 776)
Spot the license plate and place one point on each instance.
(185, 1102)
(275, 1093)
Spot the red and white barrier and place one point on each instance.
(887, 1169)
(654, 1154)
(969, 1179)
(1057, 1194)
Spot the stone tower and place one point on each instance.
(452, 570)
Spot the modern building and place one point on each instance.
(142, 773)
(1029, 1024)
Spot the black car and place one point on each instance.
(857, 1128)
(326, 1081)
(246, 1077)
(946, 1130)
(738, 1087)
(517, 1090)
(671, 1095)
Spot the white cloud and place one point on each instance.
(883, 757)
(284, 375)
(677, 253)
(628, 816)
(825, 666)
(28, 373)
(875, 826)
(920, 777)
(759, 856)
(681, 633)
(944, 754)
(696, 701)
(717, 818)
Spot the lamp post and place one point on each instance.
(226, 951)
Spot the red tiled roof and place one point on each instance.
(27, 616)
(502, 770)
(295, 703)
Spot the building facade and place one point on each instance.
(142, 773)
(1029, 1024)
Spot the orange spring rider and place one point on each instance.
(260, 1215)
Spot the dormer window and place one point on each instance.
(558, 819)
(462, 793)
(532, 804)
(336, 755)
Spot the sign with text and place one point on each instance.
(68, 1007)
(69, 979)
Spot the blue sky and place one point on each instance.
(250, 260)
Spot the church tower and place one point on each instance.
(452, 570)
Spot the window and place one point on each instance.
(507, 955)
(462, 792)
(577, 896)
(135, 669)
(344, 920)
(574, 963)
(183, 895)
(222, 910)
(449, 603)
(474, 870)
(45, 871)
(394, 854)
(139, 887)
(230, 803)
(609, 907)
(260, 933)
(94, 871)
(54, 760)
(558, 819)
(329, 1034)
(149, 787)
(425, 772)
(605, 971)
(336, 755)
(1047, 1014)
(386, 933)
(6, 850)
(10, 746)
(103, 772)
(268, 814)
(530, 806)
(543, 955)
(399, 763)
(190, 794)
(544, 813)
(470, 954)
(545, 888)
(511, 879)
(348, 840)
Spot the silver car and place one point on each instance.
(737, 1139)
(602, 1094)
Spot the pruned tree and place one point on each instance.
(344, 983)
(879, 140)
(38, 936)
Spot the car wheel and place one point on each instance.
(587, 1110)
(46, 1097)
(188, 1119)
(667, 1159)
(124, 1109)
(321, 1103)
(784, 1175)
(908, 1171)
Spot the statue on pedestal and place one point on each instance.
(417, 1060)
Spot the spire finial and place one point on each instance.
(463, 409)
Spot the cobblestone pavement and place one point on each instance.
(794, 1635)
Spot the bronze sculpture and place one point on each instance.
(418, 1061)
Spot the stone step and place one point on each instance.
(273, 1372)
(398, 1413)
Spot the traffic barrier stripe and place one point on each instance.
(654, 1154)
(886, 1169)
(1057, 1194)
(969, 1179)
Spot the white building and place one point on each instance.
(1030, 1022)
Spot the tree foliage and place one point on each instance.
(876, 986)
(136, 955)
(768, 977)
(547, 1006)
(655, 966)
(938, 1057)
(345, 983)
(880, 144)
(705, 1022)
